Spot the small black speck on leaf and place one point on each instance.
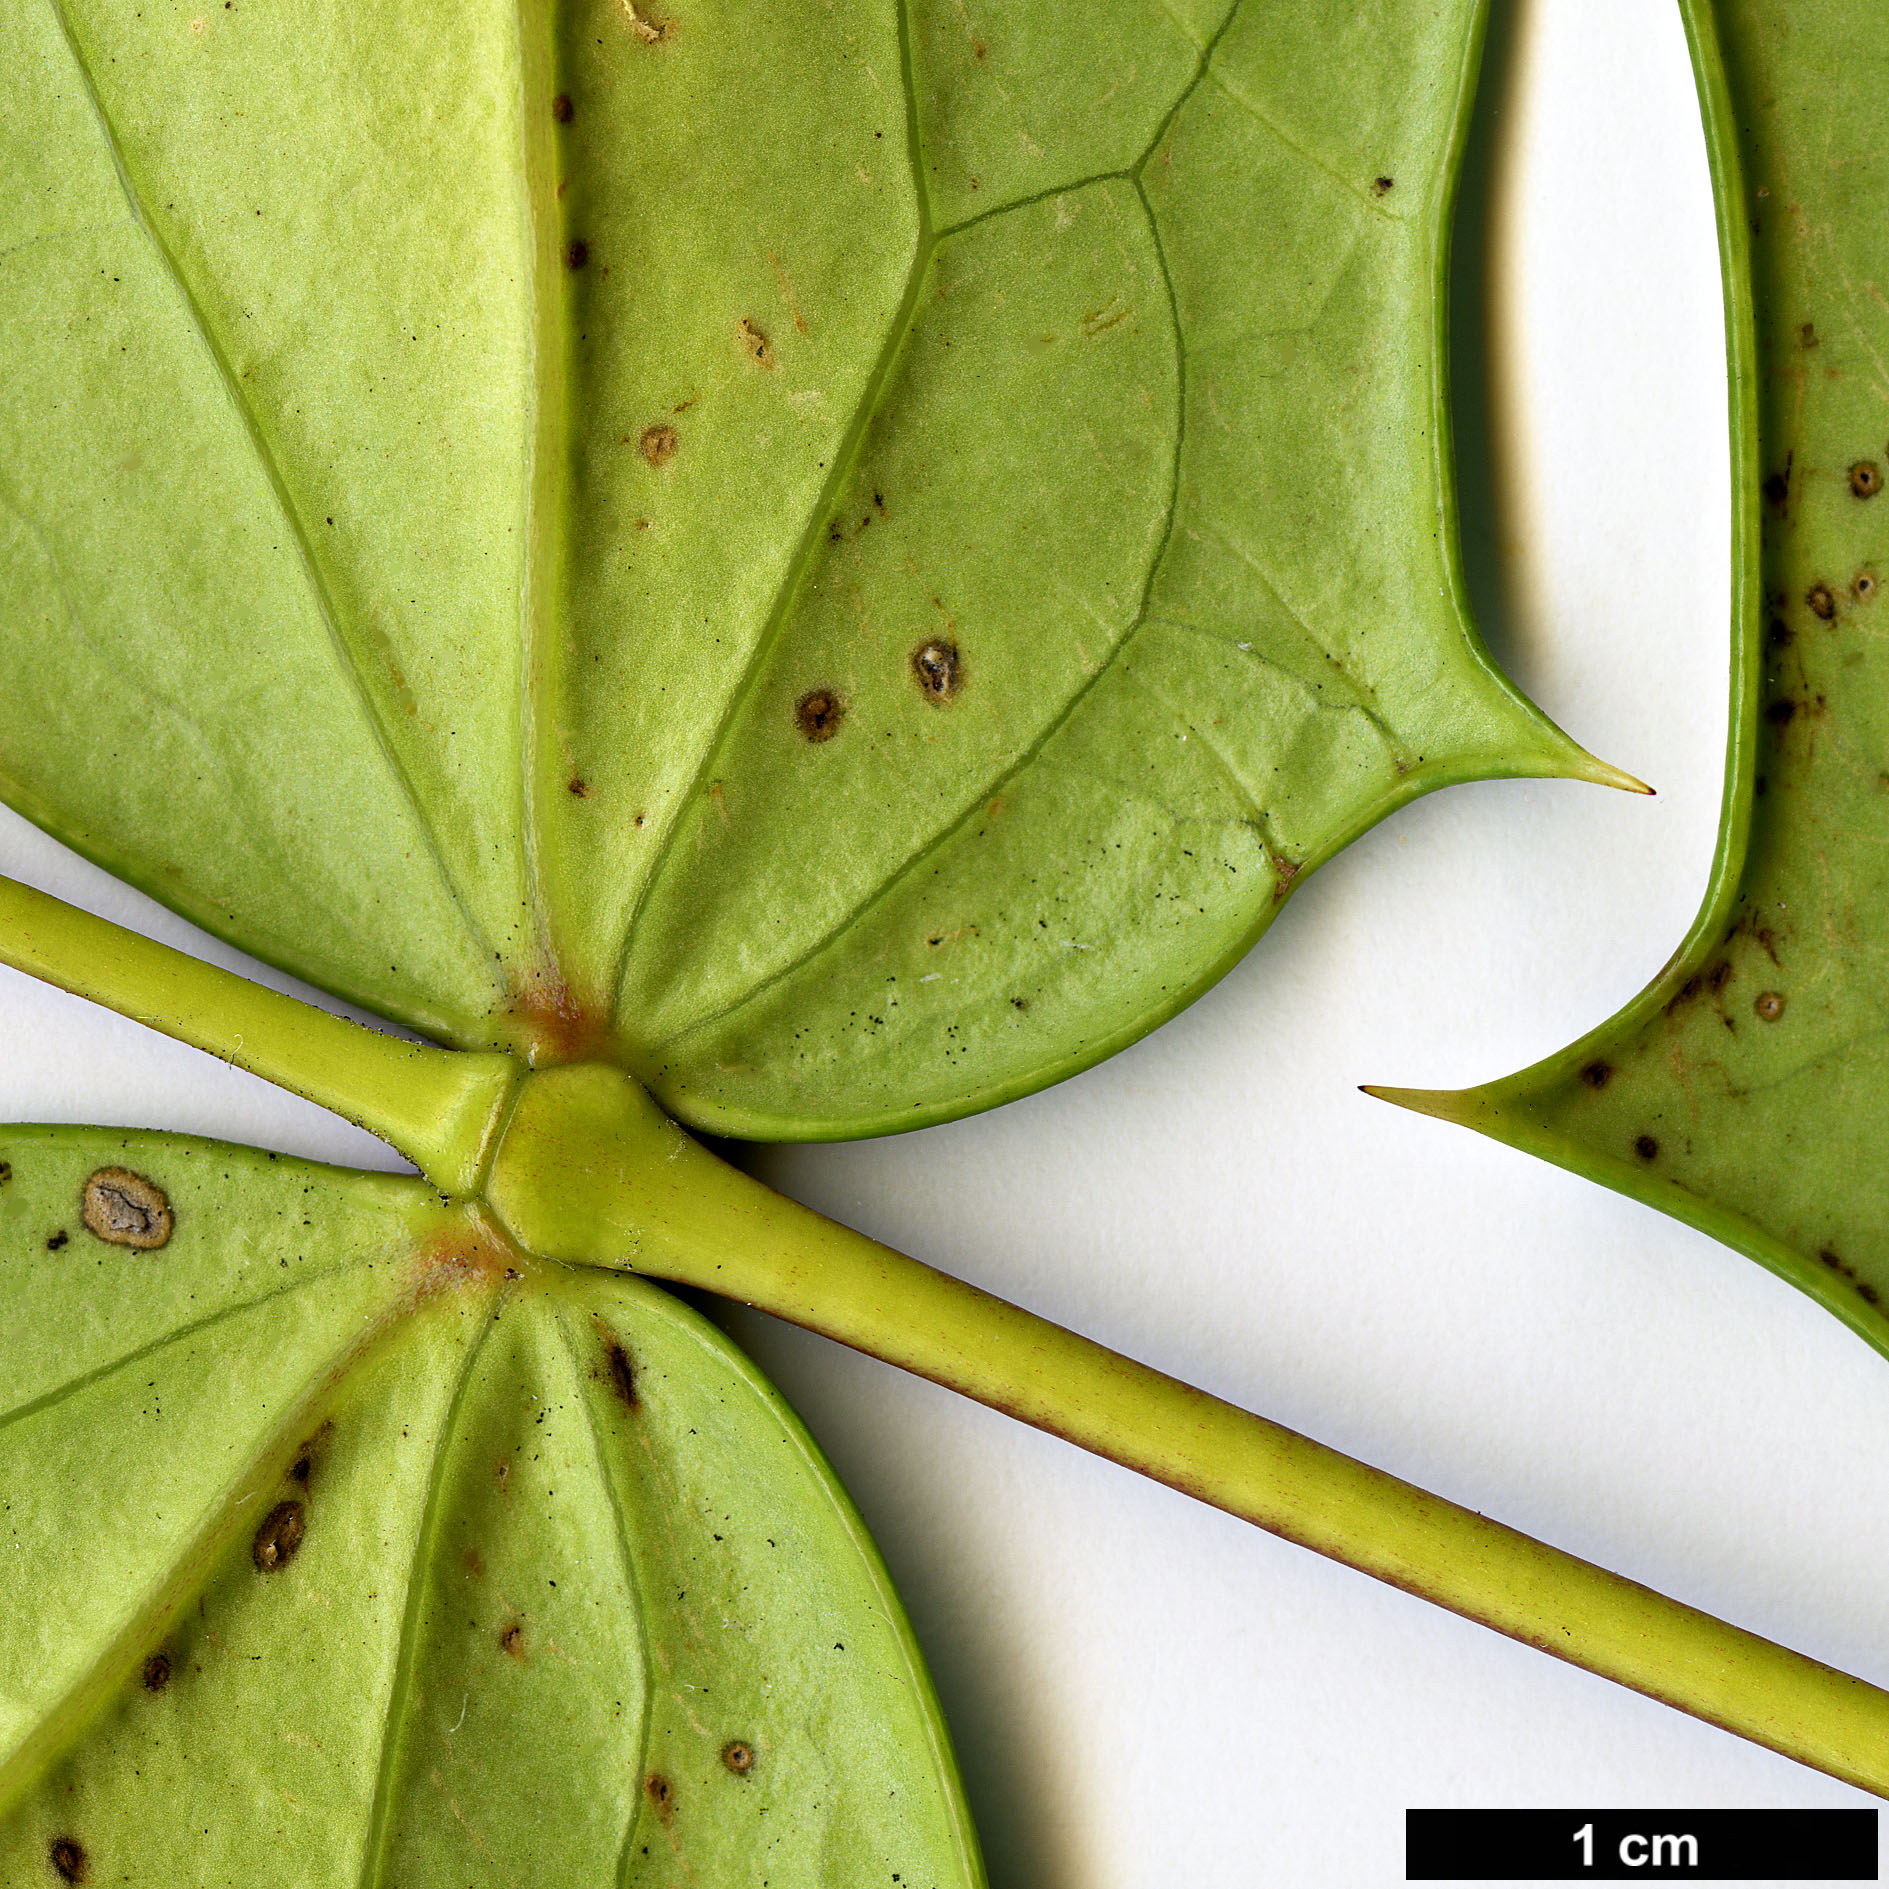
(57, 1240)
(279, 1538)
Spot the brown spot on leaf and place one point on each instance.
(1865, 478)
(1822, 601)
(124, 1209)
(279, 1539)
(1646, 1147)
(661, 1793)
(57, 1240)
(623, 1376)
(1863, 587)
(578, 787)
(738, 1756)
(157, 1672)
(511, 1640)
(1381, 186)
(1777, 488)
(754, 343)
(1779, 635)
(939, 668)
(576, 253)
(819, 713)
(1868, 1294)
(67, 1855)
(659, 442)
(561, 108)
(1780, 713)
(6, 1172)
(1595, 1075)
(1769, 1004)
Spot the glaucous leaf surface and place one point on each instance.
(374, 1558)
(845, 558)
(1743, 1090)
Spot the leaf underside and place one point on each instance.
(846, 559)
(1744, 1091)
(561, 1594)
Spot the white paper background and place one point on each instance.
(1145, 1693)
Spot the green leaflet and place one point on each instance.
(559, 1502)
(1742, 1091)
(848, 560)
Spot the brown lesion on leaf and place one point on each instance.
(157, 1672)
(661, 1793)
(1769, 1004)
(54, 1241)
(577, 787)
(308, 1457)
(1777, 487)
(939, 668)
(6, 1172)
(754, 342)
(1822, 600)
(1865, 478)
(1597, 1074)
(819, 713)
(1646, 1147)
(576, 253)
(279, 1538)
(1863, 586)
(658, 443)
(622, 1370)
(738, 1756)
(1381, 186)
(125, 1209)
(562, 109)
(69, 1860)
(511, 1641)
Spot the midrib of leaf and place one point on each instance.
(839, 472)
(605, 1475)
(72, 1386)
(547, 441)
(266, 461)
(863, 415)
(374, 1847)
(59, 1725)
